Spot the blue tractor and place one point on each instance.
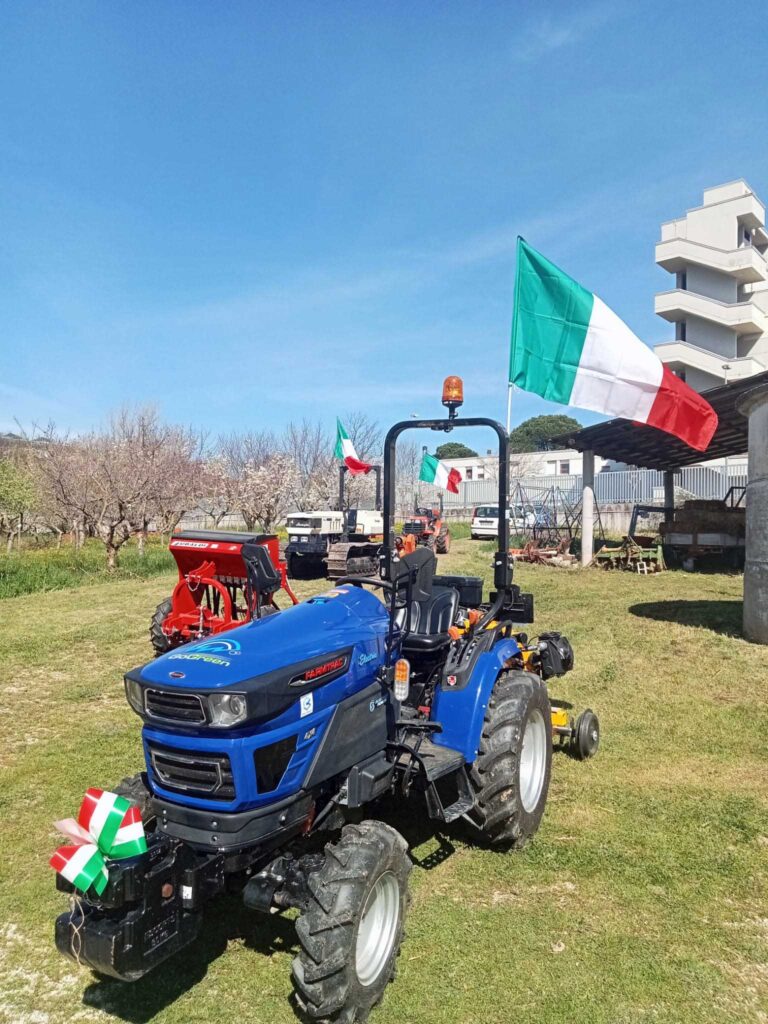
(268, 750)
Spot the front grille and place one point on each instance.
(175, 706)
(205, 775)
(414, 527)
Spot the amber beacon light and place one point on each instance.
(453, 393)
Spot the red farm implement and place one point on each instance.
(225, 580)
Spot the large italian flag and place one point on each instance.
(433, 471)
(569, 347)
(345, 451)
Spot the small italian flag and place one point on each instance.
(345, 451)
(569, 347)
(433, 471)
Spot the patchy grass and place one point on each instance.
(642, 899)
(46, 568)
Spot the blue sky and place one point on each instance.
(250, 212)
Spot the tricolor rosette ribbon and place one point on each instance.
(108, 827)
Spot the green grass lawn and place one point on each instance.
(642, 899)
(48, 568)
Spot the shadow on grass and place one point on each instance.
(719, 616)
(225, 920)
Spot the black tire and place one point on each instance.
(291, 565)
(443, 544)
(160, 642)
(135, 789)
(586, 736)
(504, 813)
(327, 984)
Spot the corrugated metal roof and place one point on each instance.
(637, 444)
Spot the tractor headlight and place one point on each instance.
(227, 709)
(134, 693)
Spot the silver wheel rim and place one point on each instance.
(378, 928)
(533, 760)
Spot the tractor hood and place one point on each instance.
(277, 659)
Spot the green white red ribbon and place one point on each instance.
(107, 826)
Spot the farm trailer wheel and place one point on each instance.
(511, 774)
(160, 642)
(351, 934)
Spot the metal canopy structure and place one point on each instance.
(637, 444)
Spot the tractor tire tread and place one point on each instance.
(160, 642)
(498, 812)
(326, 986)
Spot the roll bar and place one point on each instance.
(502, 570)
(377, 473)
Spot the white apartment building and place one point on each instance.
(719, 304)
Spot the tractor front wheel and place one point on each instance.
(158, 639)
(511, 773)
(350, 935)
(135, 789)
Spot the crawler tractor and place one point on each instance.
(215, 591)
(336, 543)
(268, 746)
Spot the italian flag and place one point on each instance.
(569, 347)
(433, 471)
(345, 451)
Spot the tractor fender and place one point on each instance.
(461, 711)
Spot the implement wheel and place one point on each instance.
(161, 643)
(511, 774)
(586, 736)
(351, 933)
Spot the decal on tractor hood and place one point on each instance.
(319, 671)
(210, 652)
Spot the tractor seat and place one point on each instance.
(430, 621)
(262, 574)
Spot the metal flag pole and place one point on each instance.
(510, 389)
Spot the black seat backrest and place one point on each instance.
(424, 562)
(437, 613)
(262, 574)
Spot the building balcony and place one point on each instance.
(741, 317)
(745, 264)
(679, 355)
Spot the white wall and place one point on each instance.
(710, 336)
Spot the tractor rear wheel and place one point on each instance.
(511, 773)
(158, 639)
(350, 935)
(443, 543)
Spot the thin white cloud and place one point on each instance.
(550, 32)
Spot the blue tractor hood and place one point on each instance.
(278, 658)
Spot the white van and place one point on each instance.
(485, 520)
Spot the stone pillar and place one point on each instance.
(754, 405)
(588, 509)
(669, 495)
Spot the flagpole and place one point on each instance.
(510, 388)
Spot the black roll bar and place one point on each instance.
(502, 570)
(377, 473)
